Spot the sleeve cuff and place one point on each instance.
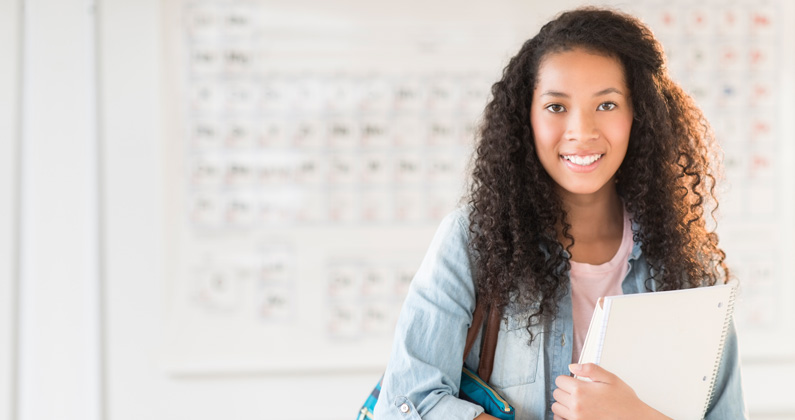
(450, 407)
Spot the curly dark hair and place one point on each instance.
(666, 180)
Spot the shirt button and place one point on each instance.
(404, 408)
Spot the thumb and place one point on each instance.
(591, 371)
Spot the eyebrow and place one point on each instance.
(557, 94)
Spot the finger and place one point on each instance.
(560, 411)
(592, 371)
(562, 397)
(566, 382)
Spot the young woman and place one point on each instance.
(593, 176)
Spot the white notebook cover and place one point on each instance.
(665, 345)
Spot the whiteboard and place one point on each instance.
(314, 147)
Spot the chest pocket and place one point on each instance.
(516, 362)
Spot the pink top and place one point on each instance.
(590, 282)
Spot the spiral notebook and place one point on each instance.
(666, 345)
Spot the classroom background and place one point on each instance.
(212, 209)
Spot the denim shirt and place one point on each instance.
(424, 371)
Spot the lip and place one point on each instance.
(578, 168)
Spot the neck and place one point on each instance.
(594, 217)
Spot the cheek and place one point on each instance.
(546, 131)
(617, 128)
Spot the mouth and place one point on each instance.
(583, 161)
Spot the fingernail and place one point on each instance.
(574, 367)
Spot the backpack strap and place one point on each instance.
(489, 342)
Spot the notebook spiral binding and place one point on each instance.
(724, 334)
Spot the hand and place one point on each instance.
(606, 396)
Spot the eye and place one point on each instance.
(607, 106)
(555, 108)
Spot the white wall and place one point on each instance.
(129, 94)
(10, 40)
(58, 343)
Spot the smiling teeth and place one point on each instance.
(582, 160)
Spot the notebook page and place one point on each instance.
(665, 346)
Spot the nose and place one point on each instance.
(581, 126)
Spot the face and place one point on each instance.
(581, 116)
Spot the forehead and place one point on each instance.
(580, 69)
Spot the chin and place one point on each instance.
(583, 189)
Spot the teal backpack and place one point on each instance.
(474, 387)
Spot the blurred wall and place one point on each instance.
(10, 44)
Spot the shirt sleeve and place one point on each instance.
(424, 371)
(728, 401)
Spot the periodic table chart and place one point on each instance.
(310, 160)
